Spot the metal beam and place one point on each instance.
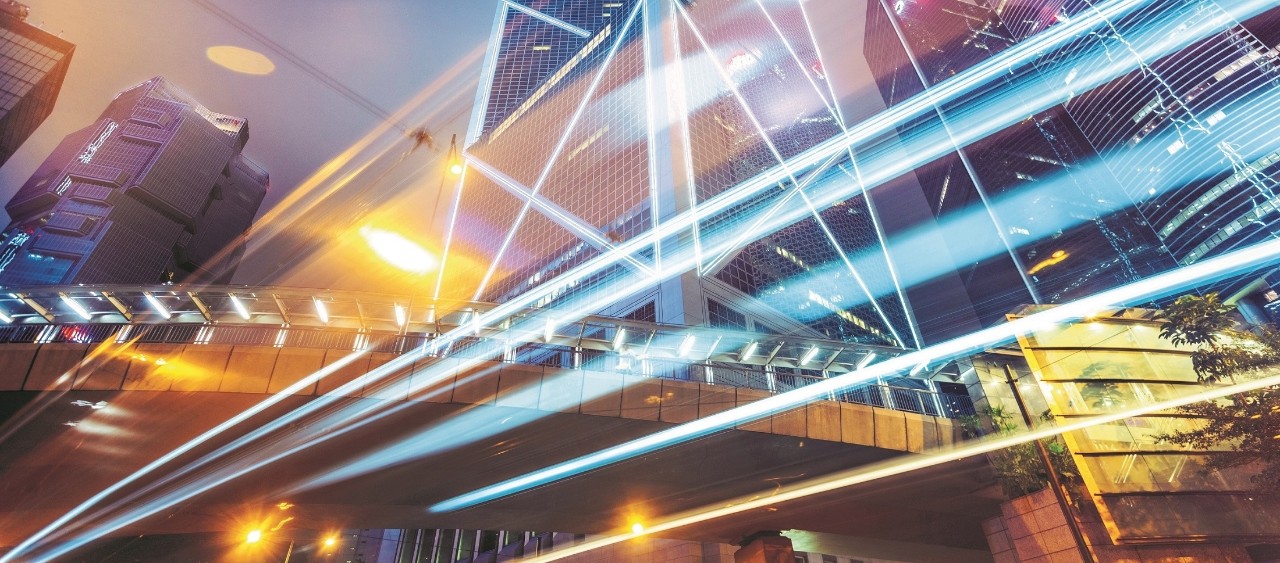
(200, 306)
(119, 305)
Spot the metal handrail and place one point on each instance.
(300, 308)
(547, 356)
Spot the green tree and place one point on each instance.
(1222, 350)
(1018, 468)
(1250, 421)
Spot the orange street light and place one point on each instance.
(254, 536)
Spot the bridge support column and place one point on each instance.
(764, 547)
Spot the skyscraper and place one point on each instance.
(598, 121)
(155, 190)
(1190, 137)
(33, 63)
(1055, 233)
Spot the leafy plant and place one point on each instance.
(1018, 468)
(1222, 351)
(1250, 421)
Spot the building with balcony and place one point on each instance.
(157, 189)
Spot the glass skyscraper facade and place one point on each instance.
(1052, 227)
(155, 190)
(1190, 137)
(578, 145)
(33, 63)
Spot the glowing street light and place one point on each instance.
(397, 250)
(254, 536)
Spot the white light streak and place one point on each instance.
(321, 310)
(748, 351)
(174, 454)
(808, 356)
(686, 345)
(157, 306)
(75, 306)
(238, 306)
(619, 338)
(401, 315)
(866, 360)
(958, 86)
(1247, 259)
(903, 465)
(555, 153)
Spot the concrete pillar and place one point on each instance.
(765, 547)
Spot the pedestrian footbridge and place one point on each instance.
(356, 410)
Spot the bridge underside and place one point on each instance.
(48, 467)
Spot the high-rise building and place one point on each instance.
(33, 64)
(598, 121)
(1190, 137)
(155, 190)
(1056, 234)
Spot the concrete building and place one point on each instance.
(155, 190)
(33, 63)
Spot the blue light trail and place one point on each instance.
(1237, 262)
(881, 123)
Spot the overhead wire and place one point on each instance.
(324, 78)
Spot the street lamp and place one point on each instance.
(254, 536)
(454, 157)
